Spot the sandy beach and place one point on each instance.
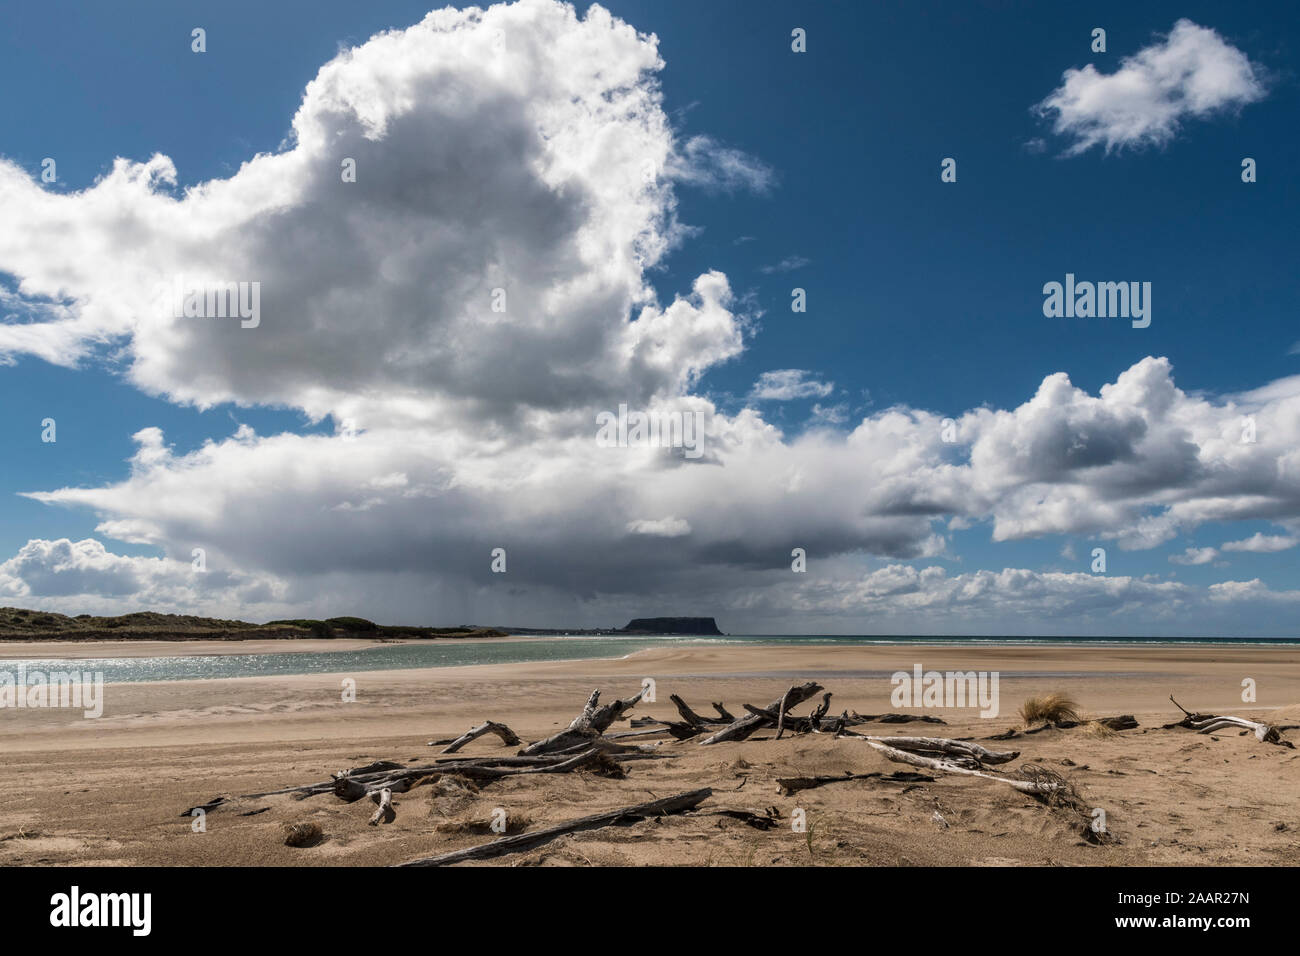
(111, 791)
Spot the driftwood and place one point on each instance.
(590, 758)
(679, 803)
(742, 728)
(694, 719)
(780, 714)
(1122, 722)
(791, 785)
(819, 713)
(768, 818)
(348, 789)
(949, 765)
(352, 785)
(592, 722)
(693, 724)
(896, 718)
(385, 811)
(1210, 723)
(961, 750)
(508, 736)
(207, 807)
(584, 746)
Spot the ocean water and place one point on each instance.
(456, 653)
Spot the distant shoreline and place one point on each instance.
(579, 645)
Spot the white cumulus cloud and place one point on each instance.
(1262, 543)
(1193, 556)
(1191, 74)
(787, 384)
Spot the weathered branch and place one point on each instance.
(742, 728)
(508, 736)
(526, 841)
(691, 717)
(780, 717)
(1038, 788)
(1210, 723)
(592, 722)
(956, 748)
(385, 811)
(791, 785)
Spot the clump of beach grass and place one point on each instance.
(1095, 728)
(1049, 708)
(306, 833)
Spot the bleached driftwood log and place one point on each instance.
(952, 748)
(1038, 788)
(508, 736)
(384, 811)
(1210, 723)
(678, 803)
(1262, 731)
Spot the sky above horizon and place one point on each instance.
(557, 211)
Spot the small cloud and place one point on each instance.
(739, 240)
(660, 527)
(1068, 552)
(830, 414)
(788, 264)
(1195, 556)
(1262, 543)
(788, 384)
(1192, 73)
(705, 162)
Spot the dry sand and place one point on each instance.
(111, 791)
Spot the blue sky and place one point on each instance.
(921, 294)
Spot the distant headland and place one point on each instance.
(666, 626)
(21, 624)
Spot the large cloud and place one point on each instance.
(1139, 464)
(1191, 74)
(518, 149)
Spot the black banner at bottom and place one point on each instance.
(339, 905)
